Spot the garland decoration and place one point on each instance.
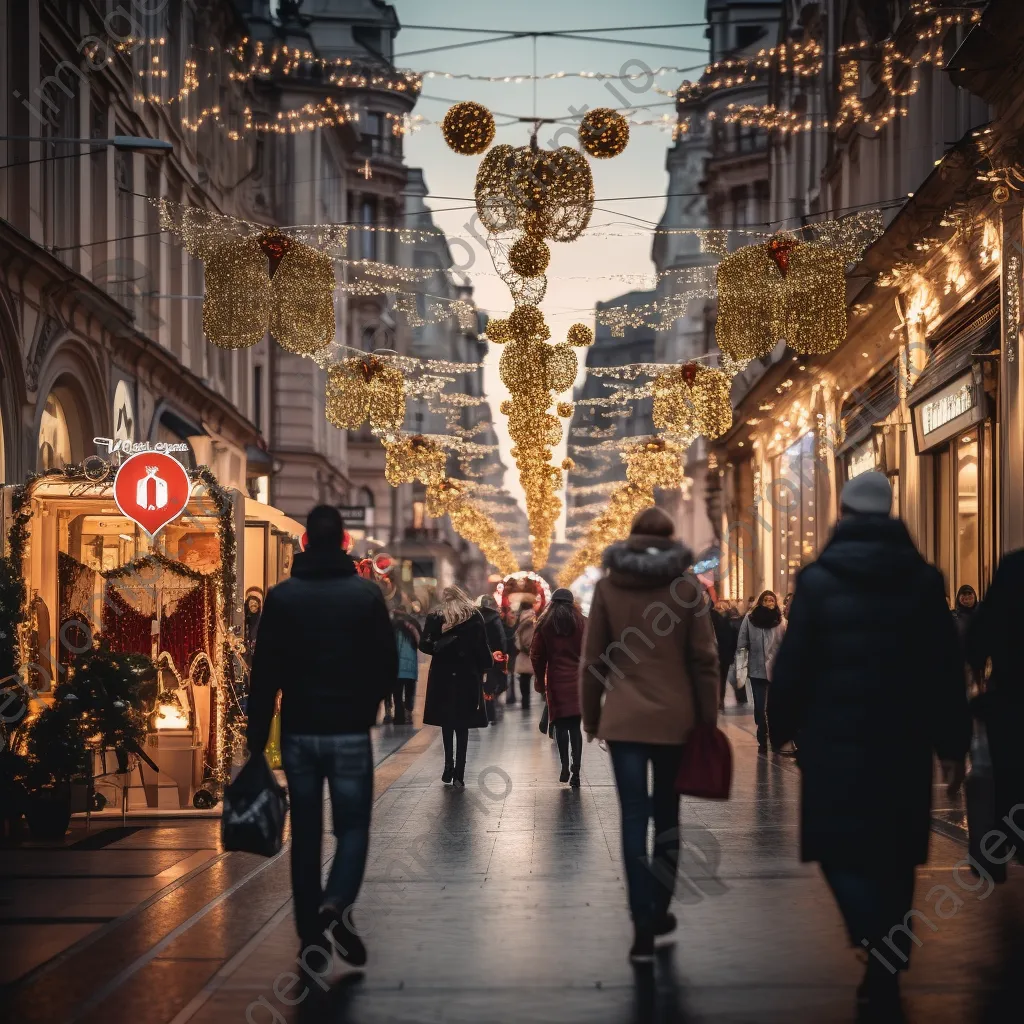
(414, 458)
(693, 398)
(365, 389)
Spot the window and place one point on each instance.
(968, 513)
(747, 35)
(58, 103)
(794, 515)
(54, 451)
(368, 215)
(152, 279)
(257, 396)
(124, 184)
(98, 186)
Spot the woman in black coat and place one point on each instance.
(497, 678)
(456, 639)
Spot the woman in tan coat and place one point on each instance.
(524, 666)
(649, 674)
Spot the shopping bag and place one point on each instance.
(980, 795)
(254, 810)
(706, 766)
(739, 670)
(543, 724)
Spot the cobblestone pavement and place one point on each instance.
(504, 902)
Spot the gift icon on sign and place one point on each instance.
(152, 488)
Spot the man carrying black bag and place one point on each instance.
(325, 642)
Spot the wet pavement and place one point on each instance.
(504, 902)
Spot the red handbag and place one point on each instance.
(706, 766)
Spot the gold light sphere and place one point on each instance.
(528, 322)
(604, 132)
(562, 367)
(506, 407)
(568, 465)
(564, 409)
(580, 336)
(529, 256)
(498, 332)
(468, 128)
(522, 365)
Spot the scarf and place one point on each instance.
(765, 618)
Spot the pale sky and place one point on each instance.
(639, 171)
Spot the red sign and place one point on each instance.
(152, 489)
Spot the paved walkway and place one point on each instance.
(504, 902)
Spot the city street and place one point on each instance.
(501, 902)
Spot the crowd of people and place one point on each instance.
(863, 672)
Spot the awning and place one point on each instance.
(869, 405)
(954, 353)
(256, 511)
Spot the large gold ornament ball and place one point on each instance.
(562, 366)
(468, 128)
(580, 336)
(604, 132)
(528, 322)
(529, 256)
(522, 365)
(564, 409)
(497, 331)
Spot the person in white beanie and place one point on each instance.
(869, 682)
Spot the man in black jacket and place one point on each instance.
(325, 642)
(869, 682)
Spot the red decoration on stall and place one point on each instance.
(780, 248)
(152, 489)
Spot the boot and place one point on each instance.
(459, 779)
(574, 779)
(564, 777)
(449, 772)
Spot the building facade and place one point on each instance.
(926, 387)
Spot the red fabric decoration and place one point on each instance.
(125, 630)
(689, 373)
(274, 245)
(185, 633)
(780, 247)
(706, 767)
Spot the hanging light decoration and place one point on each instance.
(580, 336)
(468, 128)
(604, 132)
(414, 459)
(529, 257)
(236, 306)
(361, 389)
(302, 312)
(693, 398)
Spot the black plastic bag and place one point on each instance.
(255, 807)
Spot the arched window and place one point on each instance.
(54, 450)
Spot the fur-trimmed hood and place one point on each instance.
(643, 563)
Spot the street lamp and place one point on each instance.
(123, 143)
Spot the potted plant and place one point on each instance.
(100, 706)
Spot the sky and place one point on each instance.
(581, 273)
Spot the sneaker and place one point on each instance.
(665, 924)
(564, 776)
(344, 941)
(642, 950)
(574, 780)
(448, 774)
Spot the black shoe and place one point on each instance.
(564, 776)
(458, 782)
(574, 780)
(448, 774)
(346, 943)
(313, 957)
(665, 924)
(642, 950)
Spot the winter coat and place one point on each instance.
(649, 671)
(762, 646)
(496, 674)
(994, 633)
(524, 638)
(325, 642)
(408, 663)
(725, 638)
(869, 682)
(556, 667)
(459, 660)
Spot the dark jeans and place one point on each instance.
(457, 739)
(346, 762)
(567, 730)
(760, 688)
(872, 905)
(405, 698)
(650, 879)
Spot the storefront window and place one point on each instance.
(54, 436)
(792, 496)
(968, 520)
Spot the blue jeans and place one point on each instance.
(346, 762)
(650, 879)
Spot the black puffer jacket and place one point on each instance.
(325, 642)
(869, 682)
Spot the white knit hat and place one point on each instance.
(867, 494)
